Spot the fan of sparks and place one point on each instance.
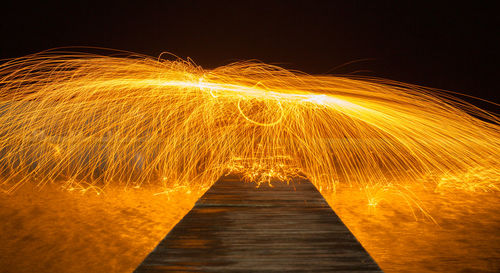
(93, 120)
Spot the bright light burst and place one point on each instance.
(87, 121)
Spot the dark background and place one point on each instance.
(443, 45)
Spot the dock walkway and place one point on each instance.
(236, 227)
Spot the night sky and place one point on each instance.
(448, 45)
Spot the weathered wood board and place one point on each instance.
(237, 227)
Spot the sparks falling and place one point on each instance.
(86, 120)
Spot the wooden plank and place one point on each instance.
(236, 227)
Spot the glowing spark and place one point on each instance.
(133, 120)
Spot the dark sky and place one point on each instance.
(447, 45)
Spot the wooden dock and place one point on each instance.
(236, 227)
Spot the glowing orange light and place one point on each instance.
(95, 120)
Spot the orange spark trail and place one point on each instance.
(86, 121)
